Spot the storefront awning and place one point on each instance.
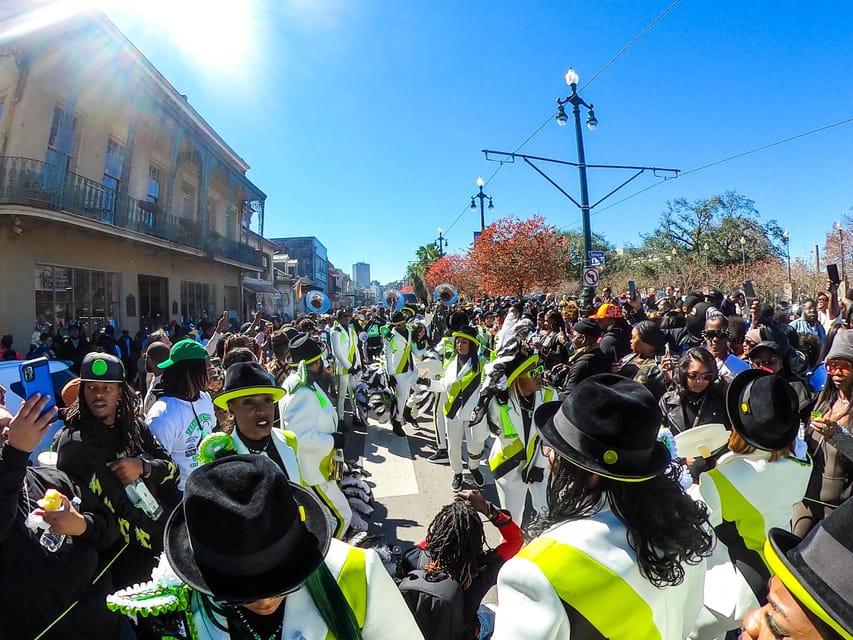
(260, 287)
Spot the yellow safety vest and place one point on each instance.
(407, 354)
(353, 583)
(737, 509)
(458, 387)
(595, 591)
(512, 455)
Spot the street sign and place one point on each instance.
(595, 258)
(590, 277)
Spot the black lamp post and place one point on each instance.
(482, 196)
(743, 256)
(592, 122)
(787, 237)
(441, 242)
(840, 230)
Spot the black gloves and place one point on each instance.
(339, 439)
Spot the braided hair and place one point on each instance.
(455, 542)
(127, 420)
(185, 379)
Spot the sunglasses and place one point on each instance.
(758, 363)
(711, 334)
(707, 377)
(841, 366)
(537, 371)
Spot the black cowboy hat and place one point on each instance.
(816, 570)
(244, 533)
(304, 347)
(608, 425)
(763, 409)
(246, 379)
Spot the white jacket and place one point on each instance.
(395, 350)
(453, 373)
(308, 413)
(285, 452)
(602, 570)
(343, 342)
(388, 617)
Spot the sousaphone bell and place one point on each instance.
(446, 294)
(393, 300)
(317, 302)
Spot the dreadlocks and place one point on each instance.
(126, 417)
(666, 528)
(455, 542)
(185, 379)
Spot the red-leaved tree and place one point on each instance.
(455, 270)
(515, 257)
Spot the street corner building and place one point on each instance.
(119, 204)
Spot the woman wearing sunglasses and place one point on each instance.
(516, 463)
(696, 400)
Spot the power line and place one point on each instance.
(718, 162)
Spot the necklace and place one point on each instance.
(249, 442)
(255, 635)
(259, 451)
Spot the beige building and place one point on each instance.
(118, 202)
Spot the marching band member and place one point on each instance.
(344, 343)
(400, 365)
(307, 411)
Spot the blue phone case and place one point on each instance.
(35, 378)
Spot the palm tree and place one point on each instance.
(424, 256)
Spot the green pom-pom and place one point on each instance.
(214, 446)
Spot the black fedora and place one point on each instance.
(243, 532)
(304, 347)
(763, 409)
(817, 569)
(608, 425)
(246, 379)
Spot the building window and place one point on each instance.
(187, 201)
(60, 144)
(153, 185)
(113, 162)
(64, 295)
(196, 301)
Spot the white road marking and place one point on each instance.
(388, 459)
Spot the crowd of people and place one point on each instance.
(665, 466)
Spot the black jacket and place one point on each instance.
(584, 364)
(40, 584)
(712, 410)
(616, 340)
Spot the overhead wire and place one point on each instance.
(718, 162)
(622, 51)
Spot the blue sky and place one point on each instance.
(364, 120)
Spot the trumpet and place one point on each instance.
(446, 294)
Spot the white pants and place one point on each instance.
(345, 390)
(338, 511)
(475, 439)
(438, 421)
(406, 382)
(512, 493)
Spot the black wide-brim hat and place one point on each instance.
(246, 379)
(608, 425)
(763, 409)
(816, 569)
(244, 533)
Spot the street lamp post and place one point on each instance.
(441, 242)
(840, 230)
(592, 122)
(787, 237)
(482, 196)
(707, 278)
(743, 256)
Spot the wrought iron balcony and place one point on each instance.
(31, 182)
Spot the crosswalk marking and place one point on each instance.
(388, 459)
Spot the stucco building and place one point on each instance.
(118, 202)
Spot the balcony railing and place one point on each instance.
(39, 184)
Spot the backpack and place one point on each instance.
(437, 604)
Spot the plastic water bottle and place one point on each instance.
(53, 541)
(141, 498)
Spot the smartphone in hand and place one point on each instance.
(35, 378)
(832, 273)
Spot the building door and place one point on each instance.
(153, 301)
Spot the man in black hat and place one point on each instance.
(258, 554)
(622, 542)
(400, 366)
(344, 347)
(810, 594)
(307, 411)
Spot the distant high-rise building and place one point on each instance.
(361, 274)
(312, 259)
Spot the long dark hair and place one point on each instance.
(455, 542)
(695, 354)
(666, 528)
(828, 397)
(126, 421)
(185, 379)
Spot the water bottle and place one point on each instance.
(141, 498)
(53, 541)
(337, 470)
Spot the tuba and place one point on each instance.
(446, 294)
(317, 302)
(394, 300)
